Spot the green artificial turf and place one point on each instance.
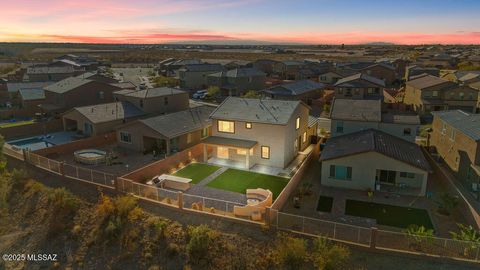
(389, 215)
(196, 171)
(325, 204)
(239, 181)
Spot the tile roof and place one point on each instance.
(356, 110)
(402, 118)
(32, 93)
(429, 81)
(267, 111)
(357, 80)
(14, 87)
(66, 85)
(203, 67)
(155, 92)
(50, 70)
(239, 72)
(174, 124)
(107, 112)
(372, 140)
(469, 76)
(467, 123)
(295, 88)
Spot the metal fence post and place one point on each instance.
(180, 200)
(373, 237)
(76, 167)
(105, 178)
(334, 230)
(91, 176)
(303, 224)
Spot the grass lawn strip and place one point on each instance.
(390, 215)
(239, 181)
(196, 171)
(15, 124)
(325, 204)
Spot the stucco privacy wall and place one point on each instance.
(69, 148)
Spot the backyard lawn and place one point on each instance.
(389, 215)
(239, 181)
(196, 171)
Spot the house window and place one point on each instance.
(444, 128)
(189, 137)
(407, 131)
(266, 152)
(241, 152)
(357, 91)
(340, 90)
(141, 103)
(407, 175)
(452, 134)
(248, 125)
(427, 93)
(435, 94)
(204, 132)
(370, 90)
(339, 127)
(297, 123)
(295, 144)
(165, 100)
(250, 79)
(323, 78)
(101, 95)
(341, 172)
(125, 137)
(226, 126)
(304, 136)
(461, 95)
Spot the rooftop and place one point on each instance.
(66, 85)
(295, 88)
(14, 87)
(32, 93)
(359, 80)
(239, 72)
(203, 67)
(372, 140)
(109, 112)
(267, 111)
(50, 70)
(174, 124)
(428, 81)
(356, 110)
(467, 123)
(155, 92)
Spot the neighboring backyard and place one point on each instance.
(239, 181)
(389, 215)
(196, 171)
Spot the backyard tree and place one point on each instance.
(162, 81)
(467, 233)
(212, 91)
(419, 234)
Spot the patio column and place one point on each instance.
(247, 159)
(424, 185)
(205, 153)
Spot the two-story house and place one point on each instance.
(349, 116)
(155, 100)
(456, 138)
(430, 93)
(359, 86)
(246, 132)
(195, 76)
(236, 82)
(382, 71)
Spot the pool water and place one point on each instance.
(31, 143)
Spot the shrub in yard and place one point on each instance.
(200, 239)
(172, 250)
(105, 207)
(326, 256)
(61, 199)
(419, 235)
(290, 252)
(470, 234)
(125, 204)
(447, 203)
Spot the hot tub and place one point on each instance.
(90, 156)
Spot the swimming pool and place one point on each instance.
(43, 141)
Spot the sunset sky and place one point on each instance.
(285, 21)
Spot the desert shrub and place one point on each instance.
(200, 239)
(104, 208)
(290, 252)
(61, 199)
(112, 229)
(327, 256)
(33, 187)
(172, 250)
(125, 204)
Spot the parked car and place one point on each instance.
(200, 94)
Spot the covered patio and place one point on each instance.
(229, 152)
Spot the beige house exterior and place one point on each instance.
(155, 100)
(260, 132)
(360, 161)
(429, 93)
